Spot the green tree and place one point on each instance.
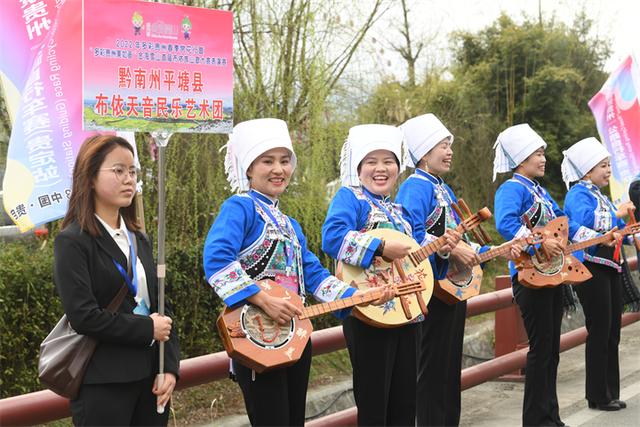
(539, 72)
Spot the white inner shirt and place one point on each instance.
(121, 237)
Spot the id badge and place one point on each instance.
(142, 309)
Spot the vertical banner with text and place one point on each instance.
(616, 109)
(44, 137)
(157, 67)
(41, 76)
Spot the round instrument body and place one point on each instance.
(461, 283)
(251, 337)
(262, 330)
(549, 267)
(564, 268)
(390, 314)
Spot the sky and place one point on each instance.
(618, 20)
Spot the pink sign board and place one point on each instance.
(157, 67)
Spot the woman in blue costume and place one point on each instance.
(521, 149)
(252, 240)
(587, 165)
(426, 201)
(383, 360)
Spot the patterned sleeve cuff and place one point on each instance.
(330, 289)
(428, 238)
(583, 234)
(230, 281)
(355, 248)
(523, 231)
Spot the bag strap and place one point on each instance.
(119, 298)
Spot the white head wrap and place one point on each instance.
(248, 141)
(364, 139)
(421, 134)
(513, 146)
(580, 158)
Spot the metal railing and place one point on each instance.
(45, 406)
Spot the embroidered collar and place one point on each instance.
(604, 200)
(525, 180)
(265, 199)
(432, 178)
(590, 185)
(386, 199)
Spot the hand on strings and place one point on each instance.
(451, 239)
(515, 250)
(388, 293)
(623, 209)
(615, 238)
(553, 247)
(394, 250)
(280, 310)
(464, 255)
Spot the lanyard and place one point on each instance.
(384, 209)
(132, 282)
(287, 248)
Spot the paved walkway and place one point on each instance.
(500, 404)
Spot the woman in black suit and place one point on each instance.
(92, 255)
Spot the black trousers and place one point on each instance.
(542, 314)
(439, 363)
(118, 404)
(384, 372)
(276, 398)
(601, 299)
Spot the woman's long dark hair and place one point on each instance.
(81, 204)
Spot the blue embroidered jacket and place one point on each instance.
(587, 206)
(426, 201)
(519, 197)
(351, 213)
(244, 245)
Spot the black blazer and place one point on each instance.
(87, 281)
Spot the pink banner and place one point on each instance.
(42, 73)
(157, 67)
(617, 113)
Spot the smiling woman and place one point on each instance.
(252, 240)
(271, 172)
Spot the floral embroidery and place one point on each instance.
(356, 243)
(602, 261)
(443, 207)
(583, 234)
(330, 289)
(230, 280)
(266, 258)
(354, 247)
(377, 218)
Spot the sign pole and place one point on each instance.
(162, 139)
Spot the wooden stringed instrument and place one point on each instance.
(415, 267)
(257, 341)
(463, 282)
(542, 271)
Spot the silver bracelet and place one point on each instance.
(445, 256)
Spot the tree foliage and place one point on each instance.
(538, 72)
